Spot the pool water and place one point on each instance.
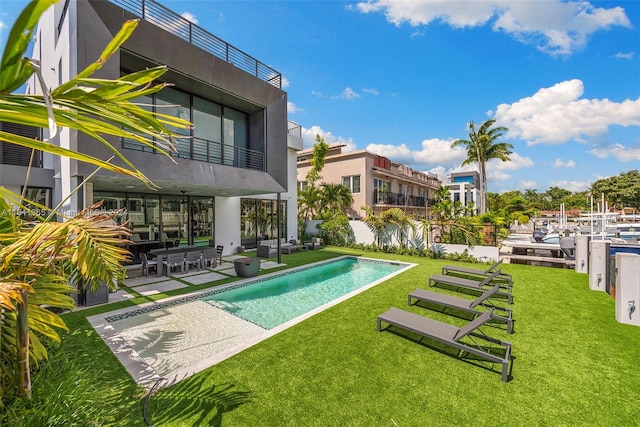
(272, 302)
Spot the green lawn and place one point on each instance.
(573, 365)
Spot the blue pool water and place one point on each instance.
(274, 301)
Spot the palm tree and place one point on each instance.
(375, 223)
(38, 260)
(335, 198)
(308, 203)
(401, 222)
(482, 147)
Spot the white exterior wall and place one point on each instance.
(57, 64)
(364, 235)
(227, 223)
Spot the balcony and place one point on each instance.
(208, 151)
(175, 24)
(294, 129)
(397, 199)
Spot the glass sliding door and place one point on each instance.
(259, 220)
(248, 223)
(202, 220)
(175, 220)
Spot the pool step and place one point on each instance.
(225, 305)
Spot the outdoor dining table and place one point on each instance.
(161, 255)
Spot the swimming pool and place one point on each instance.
(180, 336)
(272, 302)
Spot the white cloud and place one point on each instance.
(347, 93)
(440, 172)
(371, 91)
(433, 151)
(528, 185)
(3, 26)
(557, 114)
(285, 82)
(293, 108)
(559, 163)
(190, 17)
(554, 26)
(517, 162)
(309, 138)
(573, 186)
(618, 151)
(623, 55)
(497, 175)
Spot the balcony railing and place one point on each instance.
(294, 129)
(170, 21)
(397, 199)
(209, 151)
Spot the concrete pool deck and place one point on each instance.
(168, 340)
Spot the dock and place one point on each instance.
(537, 260)
(533, 253)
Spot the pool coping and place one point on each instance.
(146, 376)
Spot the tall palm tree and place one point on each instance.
(38, 260)
(481, 147)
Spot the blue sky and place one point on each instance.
(403, 79)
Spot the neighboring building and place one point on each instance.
(465, 188)
(226, 179)
(374, 181)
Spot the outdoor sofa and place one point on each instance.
(269, 248)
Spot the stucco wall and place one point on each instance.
(364, 235)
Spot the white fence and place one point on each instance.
(364, 235)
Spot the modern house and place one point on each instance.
(374, 181)
(224, 183)
(465, 188)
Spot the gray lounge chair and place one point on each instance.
(466, 271)
(452, 335)
(505, 288)
(449, 301)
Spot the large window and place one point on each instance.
(146, 103)
(352, 182)
(207, 130)
(220, 134)
(235, 136)
(177, 104)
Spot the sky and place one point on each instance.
(403, 79)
